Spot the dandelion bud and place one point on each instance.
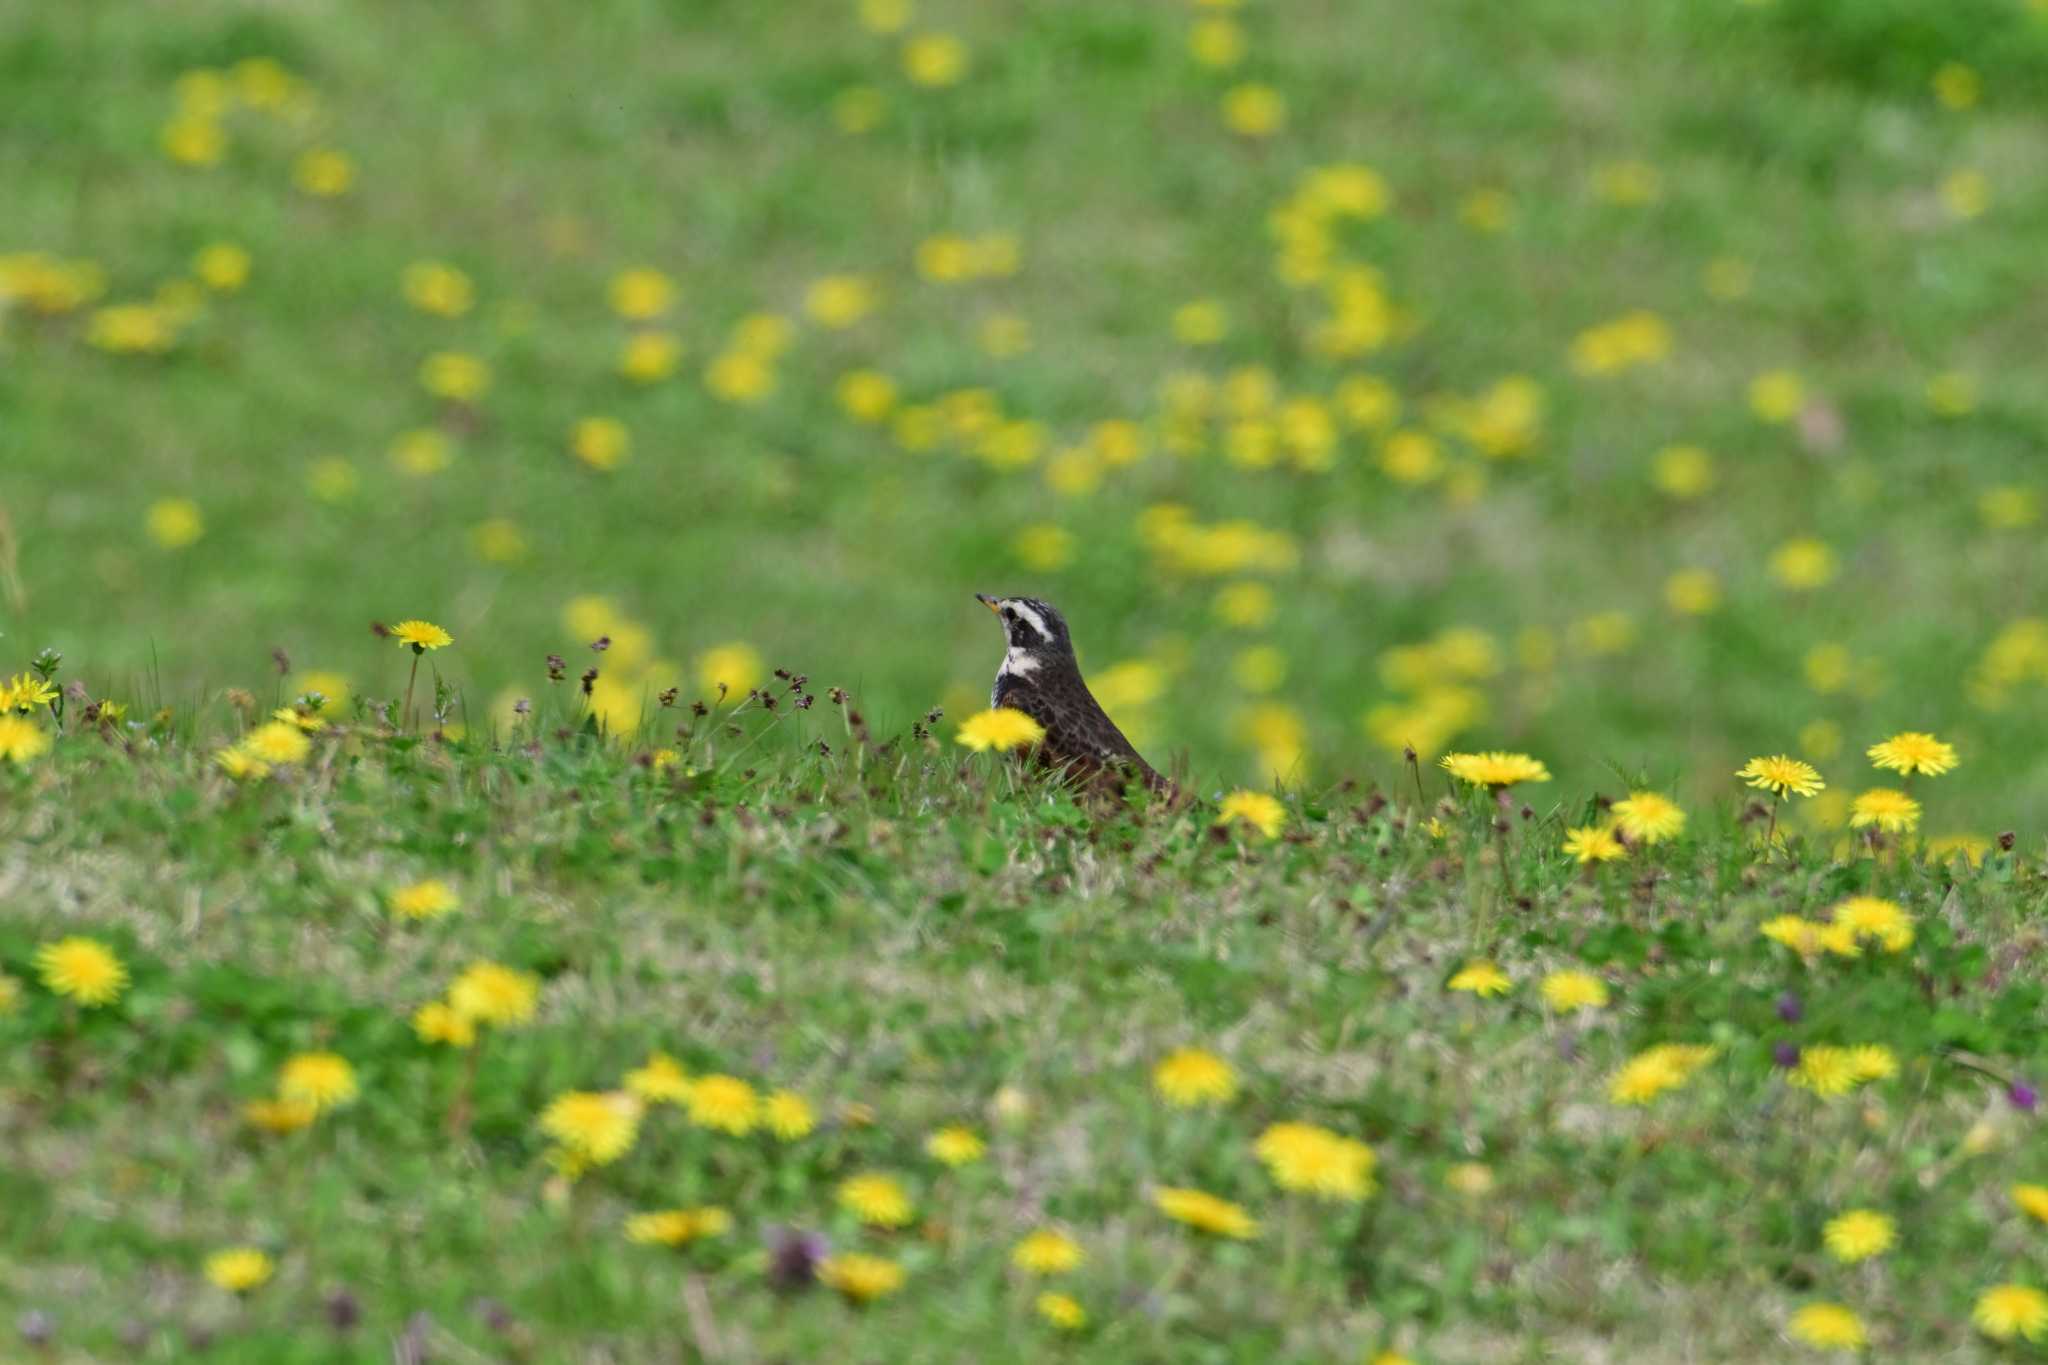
(601, 644)
(557, 666)
(1790, 1008)
(280, 660)
(522, 707)
(2006, 840)
(2023, 1096)
(589, 680)
(1785, 1056)
(343, 1311)
(667, 697)
(380, 630)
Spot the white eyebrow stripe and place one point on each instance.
(1037, 621)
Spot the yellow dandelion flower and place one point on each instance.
(237, 762)
(440, 1022)
(1593, 844)
(1263, 812)
(840, 301)
(1571, 989)
(423, 900)
(239, 1269)
(2006, 1311)
(867, 396)
(280, 1116)
(1494, 769)
(955, 1146)
(1002, 729)
(1777, 396)
(1802, 936)
(1912, 751)
(22, 740)
(1648, 818)
(1860, 1234)
(1825, 1070)
(1966, 194)
(731, 668)
(1887, 809)
(324, 173)
(174, 523)
(222, 266)
(1063, 1311)
(1205, 1212)
(1480, 978)
(1682, 471)
(788, 1115)
(600, 442)
(877, 1200)
(1873, 1062)
(82, 969)
(726, 1104)
(1473, 1179)
(1190, 1077)
(935, 60)
(492, 993)
(1828, 1327)
(641, 293)
(597, 1127)
(1781, 775)
(661, 1081)
(438, 288)
(1314, 1160)
(455, 375)
(1651, 1072)
(1803, 563)
(1048, 1251)
(1254, 110)
(648, 357)
(277, 744)
(2031, 1200)
(193, 141)
(421, 636)
(324, 1080)
(1869, 917)
(677, 1227)
(860, 1278)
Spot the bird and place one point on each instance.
(1040, 677)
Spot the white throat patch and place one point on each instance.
(1018, 663)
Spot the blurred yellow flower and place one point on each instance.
(1803, 563)
(1259, 668)
(277, 744)
(1262, 811)
(1572, 989)
(1593, 844)
(1482, 979)
(22, 740)
(1692, 592)
(661, 1081)
(1313, 1160)
(1682, 471)
(677, 1227)
(1913, 751)
(1828, 1327)
(955, 1146)
(1411, 457)
(840, 301)
(438, 288)
(1651, 1072)
(324, 173)
(859, 1277)
(428, 899)
(2008, 508)
(866, 395)
(600, 442)
(1063, 1311)
(596, 1127)
(1246, 605)
(788, 1116)
(175, 523)
(1957, 86)
(740, 377)
(498, 540)
(1886, 809)
(1191, 1077)
(1002, 729)
(494, 994)
(649, 357)
(1254, 110)
(455, 375)
(724, 1103)
(1217, 43)
(1777, 395)
(731, 669)
(1966, 194)
(81, 969)
(641, 293)
(439, 1022)
(1494, 768)
(279, 1116)
(324, 1080)
(1205, 1212)
(859, 109)
(1044, 548)
(1628, 183)
(935, 60)
(876, 1199)
(884, 16)
(1048, 1251)
(2031, 1200)
(222, 266)
(193, 141)
(2005, 1311)
(1648, 818)
(1859, 1234)
(239, 1269)
(420, 452)
(1487, 210)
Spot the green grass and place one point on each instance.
(892, 926)
(880, 924)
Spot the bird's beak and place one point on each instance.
(988, 602)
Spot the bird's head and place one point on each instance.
(1035, 632)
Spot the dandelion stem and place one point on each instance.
(459, 1110)
(1771, 831)
(405, 722)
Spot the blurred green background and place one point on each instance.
(1642, 386)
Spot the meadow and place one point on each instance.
(642, 968)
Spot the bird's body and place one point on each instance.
(1039, 676)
